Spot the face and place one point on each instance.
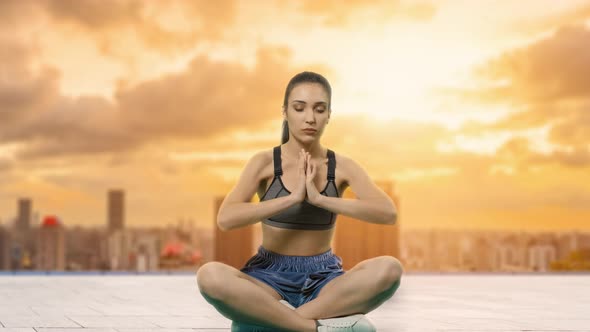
(307, 107)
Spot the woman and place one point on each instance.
(295, 282)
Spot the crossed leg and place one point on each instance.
(243, 298)
(360, 290)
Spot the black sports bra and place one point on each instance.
(302, 215)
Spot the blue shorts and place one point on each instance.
(298, 279)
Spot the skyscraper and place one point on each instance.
(51, 245)
(23, 221)
(4, 248)
(356, 240)
(116, 210)
(232, 247)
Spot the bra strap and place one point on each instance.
(277, 160)
(331, 165)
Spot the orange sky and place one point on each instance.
(479, 111)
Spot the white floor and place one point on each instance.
(166, 303)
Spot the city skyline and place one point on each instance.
(479, 123)
(26, 205)
(53, 246)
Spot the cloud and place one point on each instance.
(550, 69)
(5, 164)
(574, 130)
(22, 94)
(336, 13)
(459, 185)
(206, 99)
(12, 11)
(576, 15)
(548, 84)
(164, 27)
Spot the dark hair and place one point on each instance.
(303, 77)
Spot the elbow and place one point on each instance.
(222, 226)
(222, 223)
(391, 213)
(391, 217)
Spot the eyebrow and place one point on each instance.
(301, 101)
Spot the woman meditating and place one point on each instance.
(295, 282)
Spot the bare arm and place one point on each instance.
(237, 211)
(371, 204)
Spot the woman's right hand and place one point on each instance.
(300, 190)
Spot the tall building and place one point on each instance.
(85, 248)
(23, 221)
(51, 245)
(233, 247)
(116, 210)
(356, 240)
(4, 248)
(120, 248)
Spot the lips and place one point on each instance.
(309, 130)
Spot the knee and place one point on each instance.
(210, 280)
(390, 272)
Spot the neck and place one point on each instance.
(293, 146)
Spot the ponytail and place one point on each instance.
(285, 135)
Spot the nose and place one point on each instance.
(310, 117)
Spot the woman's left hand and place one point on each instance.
(313, 195)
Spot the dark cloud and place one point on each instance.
(22, 95)
(111, 24)
(84, 125)
(554, 68)
(12, 12)
(205, 100)
(95, 14)
(106, 20)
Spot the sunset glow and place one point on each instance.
(479, 112)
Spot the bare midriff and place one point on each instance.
(296, 242)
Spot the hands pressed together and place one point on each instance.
(306, 172)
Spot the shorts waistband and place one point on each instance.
(276, 257)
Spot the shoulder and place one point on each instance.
(344, 166)
(263, 161)
(264, 155)
(261, 158)
(348, 168)
(343, 162)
